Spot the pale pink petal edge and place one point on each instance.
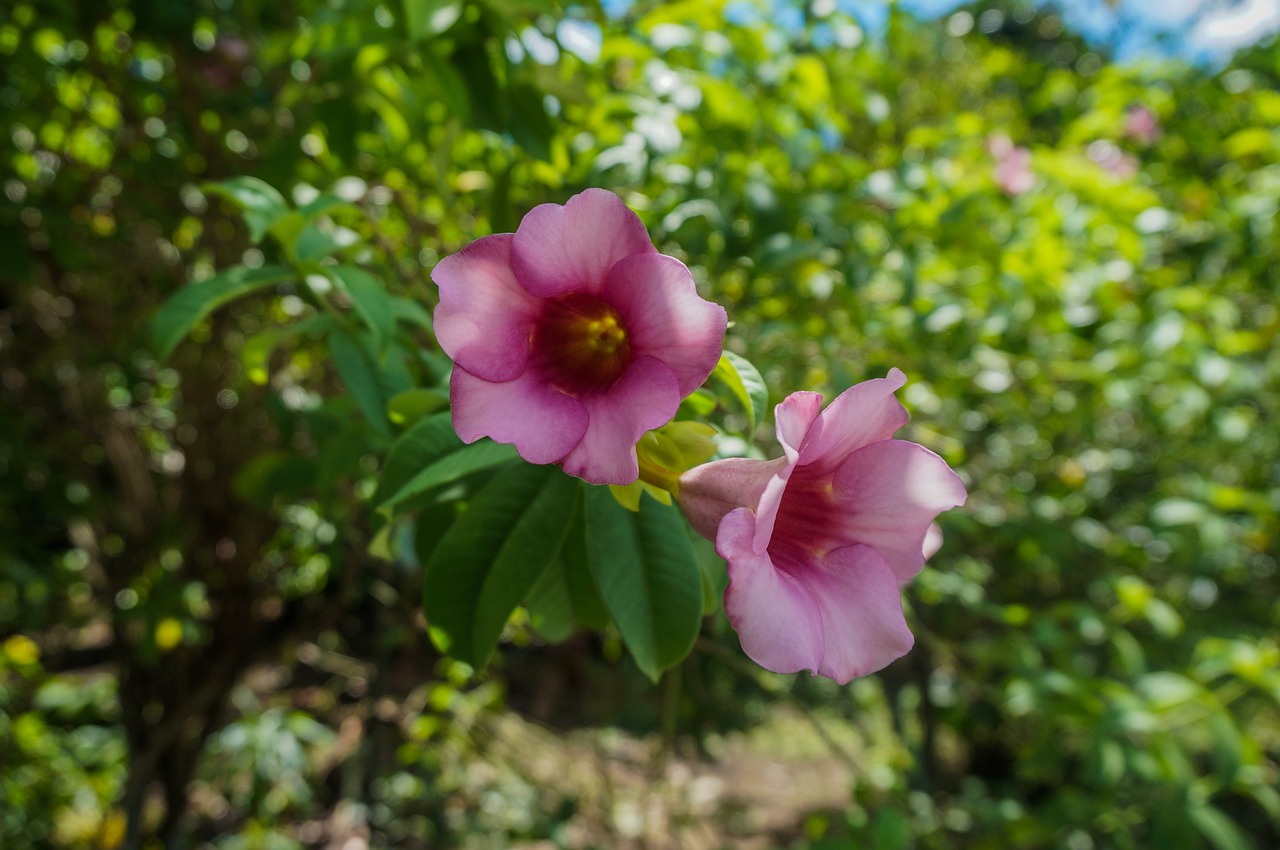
(566, 248)
(644, 398)
(666, 318)
(485, 318)
(543, 424)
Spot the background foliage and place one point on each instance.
(212, 635)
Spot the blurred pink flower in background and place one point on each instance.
(819, 541)
(573, 336)
(1141, 124)
(1115, 161)
(224, 66)
(1013, 165)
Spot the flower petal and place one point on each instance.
(561, 249)
(665, 316)
(860, 603)
(889, 493)
(840, 618)
(792, 420)
(863, 414)
(710, 491)
(645, 397)
(484, 318)
(776, 617)
(543, 423)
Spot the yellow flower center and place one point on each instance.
(581, 343)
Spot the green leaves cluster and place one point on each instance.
(531, 535)
(1096, 641)
(367, 330)
(506, 534)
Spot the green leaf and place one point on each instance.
(712, 571)
(411, 405)
(566, 597)
(312, 244)
(744, 381)
(358, 370)
(323, 203)
(180, 313)
(1163, 617)
(274, 475)
(1108, 761)
(425, 18)
(260, 203)
(699, 405)
(1251, 141)
(442, 79)
(472, 64)
(528, 121)
(411, 312)
(1172, 512)
(1165, 691)
(1229, 744)
(370, 299)
(416, 449)
(430, 455)
(550, 607)
(256, 352)
(648, 576)
(1266, 797)
(466, 460)
(341, 119)
(1219, 829)
(430, 525)
(892, 830)
(493, 555)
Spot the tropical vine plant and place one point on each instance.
(575, 468)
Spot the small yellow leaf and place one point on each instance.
(21, 650)
(168, 633)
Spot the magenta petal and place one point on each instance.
(863, 414)
(543, 423)
(889, 494)
(561, 249)
(710, 491)
(776, 617)
(666, 317)
(860, 603)
(485, 317)
(792, 421)
(644, 398)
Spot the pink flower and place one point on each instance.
(999, 145)
(1113, 159)
(1013, 164)
(819, 541)
(1013, 172)
(573, 336)
(1141, 124)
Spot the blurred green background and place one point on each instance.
(1073, 259)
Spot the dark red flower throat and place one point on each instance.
(581, 343)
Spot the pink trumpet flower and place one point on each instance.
(1113, 159)
(573, 336)
(1141, 124)
(820, 540)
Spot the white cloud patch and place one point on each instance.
(1232, 27)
